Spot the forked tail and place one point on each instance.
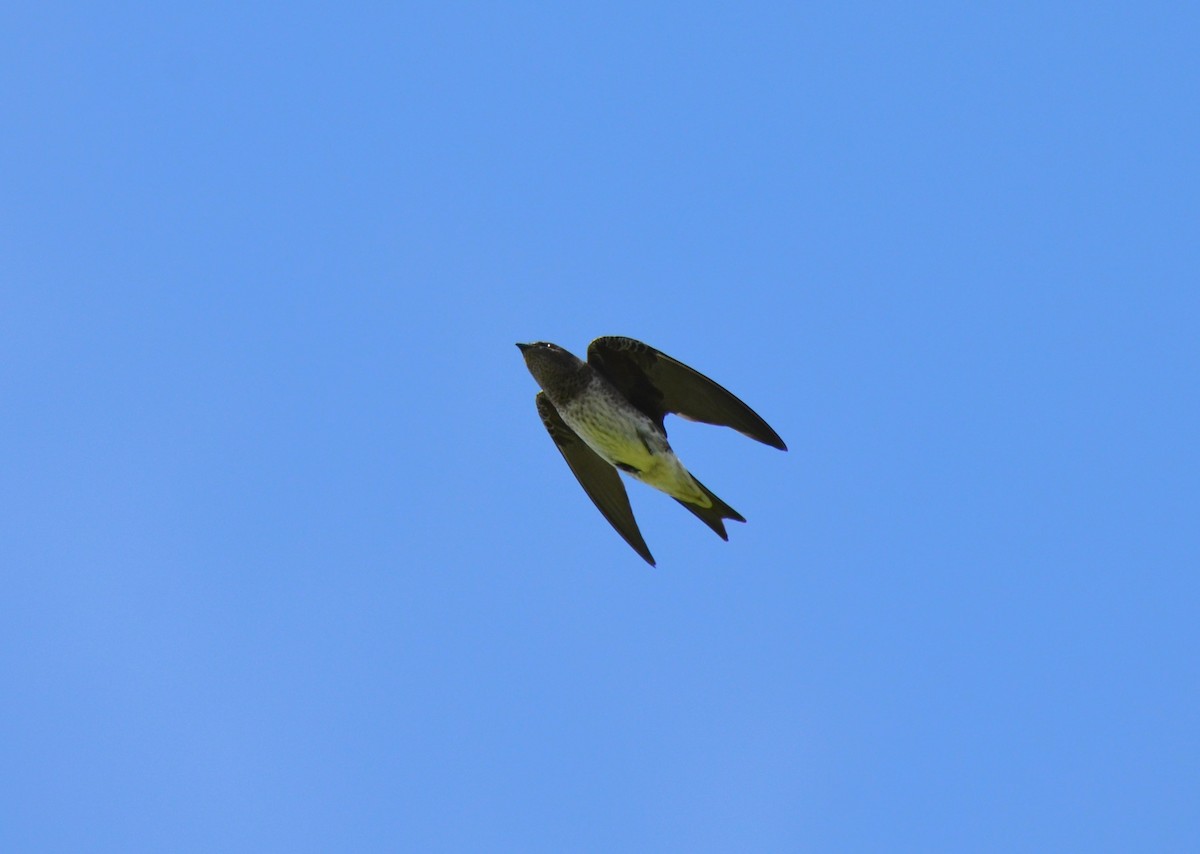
(713, 515)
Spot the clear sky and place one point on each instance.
(290, 564)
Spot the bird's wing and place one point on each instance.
(598, 479)
(657, 384)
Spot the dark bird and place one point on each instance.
(607, 414)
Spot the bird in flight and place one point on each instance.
(607, 414)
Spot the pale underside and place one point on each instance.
(627, 439)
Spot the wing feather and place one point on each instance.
(657, 384)
(599, 479)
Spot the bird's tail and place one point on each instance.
(713, 515)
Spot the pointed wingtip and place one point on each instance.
(765, 435)
(770, 437)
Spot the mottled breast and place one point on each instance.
(612, 427)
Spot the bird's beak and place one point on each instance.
(523, 347)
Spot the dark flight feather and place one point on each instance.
(657, 384)
(598, 479)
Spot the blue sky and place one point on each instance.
(291, 565)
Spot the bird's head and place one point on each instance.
(552, 366)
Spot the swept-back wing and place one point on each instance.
(598, 479)
(657, 384)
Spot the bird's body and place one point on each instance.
(607, 414)
(625, 437)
